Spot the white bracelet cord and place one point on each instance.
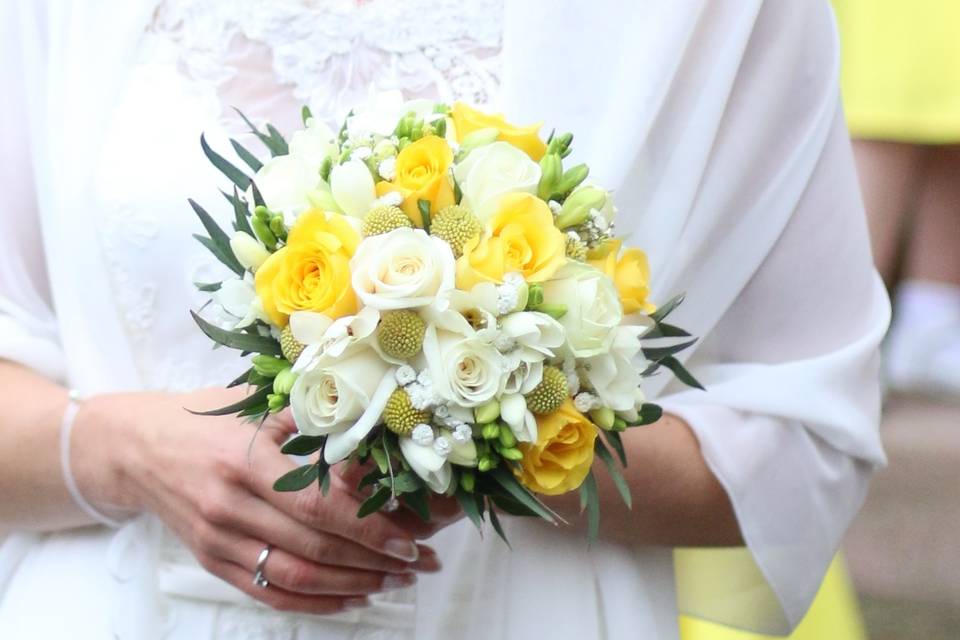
(66, 429)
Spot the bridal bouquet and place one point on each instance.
(436, 296)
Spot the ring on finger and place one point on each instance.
(259, 579)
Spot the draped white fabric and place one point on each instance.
(718, 125)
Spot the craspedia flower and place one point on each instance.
(455, 225)
(400, 416)
(576, 248)
(547, 396)
(289, 345)
(401, 333)
(384, 219)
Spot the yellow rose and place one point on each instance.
(467, 120)
(312, 271)
(630, 273)
(422, 174)
(519, 237)
(561, 458)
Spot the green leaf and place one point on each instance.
(681, 372)
(241, 379)
(325, 485)
(469, 506)
(225, 167)
(219, 242)
(404, 482)
(613, 439)
(238, 339)
(323, 475)
(303, 445)
(276, 148)
(424, 207)
(370, 479)
(666, 309)
(511, 506)
(250, 159)
(257, 411)
(604, 454)
(208, 287)
(299, 478)
(257, 196)
(589, 496)
(374, 502)
(252, 400)
(506, 480)
(656, 354)
(495, 521)
(380, 458)
(278, 140)
(649, 413)
(664, 330)
(305, 114)
(241, 213)
(419, 503)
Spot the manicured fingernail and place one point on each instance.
(402, 549)
(430, 564)
(398, 581)
(356, 603)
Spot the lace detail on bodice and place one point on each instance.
(333, 54)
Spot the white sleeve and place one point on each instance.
(28, 324)
(792, 396)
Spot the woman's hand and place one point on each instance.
(211, 481)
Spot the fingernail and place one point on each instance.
(430, 564)
(398, 581)
(402, 549)
(356, 603)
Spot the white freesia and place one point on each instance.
(351, 184)
(463, 452)
(238, 298)
(248, 250)
(526, 371)
(286, 182)
(513, 410)
(329, 338)
(593, 307)
(428, 464)
(313, 145)
(466, 371)
(534, 331)
(615, 375)
(341, 444)
(492, 171)
(402, 269)
(468, 313)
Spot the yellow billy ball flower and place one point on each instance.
(561, 457)
(466, 119)
(422, 174)
(400, 333)
(547, 396)
(401, 416)
(289, 345)
(456, 225)
(312, 271)
(383, 220)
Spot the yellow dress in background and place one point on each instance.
(834, 615)
(900, 69)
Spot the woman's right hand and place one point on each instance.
(211, 481)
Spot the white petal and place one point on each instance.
(352, 187)
(428, 464)
(341, 445)
(512, 408)
(308, 327)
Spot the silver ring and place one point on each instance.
(259, 580)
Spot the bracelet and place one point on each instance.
(66, 429)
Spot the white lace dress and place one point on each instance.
(730, 170)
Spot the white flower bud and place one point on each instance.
(248, 250)
(462, 433)
(423, 435)
(584, 402)
(442, 446)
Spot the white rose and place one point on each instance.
(402, 269)
(593, 307)
(466, 371)
(492, 171)
(428, 464)
(352, 187)
(313, 144)
(615, 375)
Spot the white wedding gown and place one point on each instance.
(716, 122)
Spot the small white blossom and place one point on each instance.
(423, 435)
(391, 505)
(585, 402)
(442, 446)
(554, 206)
(504, 344)
(361, 153)
(514, 279)
(573, 383)
(388, 168)
(419, 396)
(389, 199)
(441, 411)
(405, 375)
(507, 298)
(462, 433)
(425, 379)
(452, 422)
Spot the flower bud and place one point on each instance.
(486, 463)
(278, 228)
(283, 383)
(384, 149)
(576, 208)
(478, 138)
(262, 212)
(507, 439)
(512, 453)
(468, 481)
(603, 417)
(268, 366)
(487, 412)
(572, 178)
(276, 402)
(550, 171)
(619, 425)
(490, 431)
(534, 295)
(248, 251)
(262, 229)
(560, 144)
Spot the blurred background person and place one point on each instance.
(901, 88)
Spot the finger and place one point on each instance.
(262, 521)
(296, 575)
(278, 598)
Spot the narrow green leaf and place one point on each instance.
(303, 445)
(323, 475)
(299, 478)
(225, 167)
(380, 458)
(649, 413)
(419, 503)
(495, 521)
(241, 213)
(305, 114)
(278, 140)
(613, 439)
(469, 506)
(374, 502)
(506, 480)
(208, 287)
(666, 309)
(656, 354)
(219, 242)
(325, 485)
(255, 412)
(238, 339)
(403, 482)
(225, 257)
(241, 379)
(269, 142)
(370, 479)
(424, 207)
(590, 496)
(664, 330)
(257, 196)
(681, 372)
(250, 159)
(511, 506)
(251, 400)
(604, 454)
